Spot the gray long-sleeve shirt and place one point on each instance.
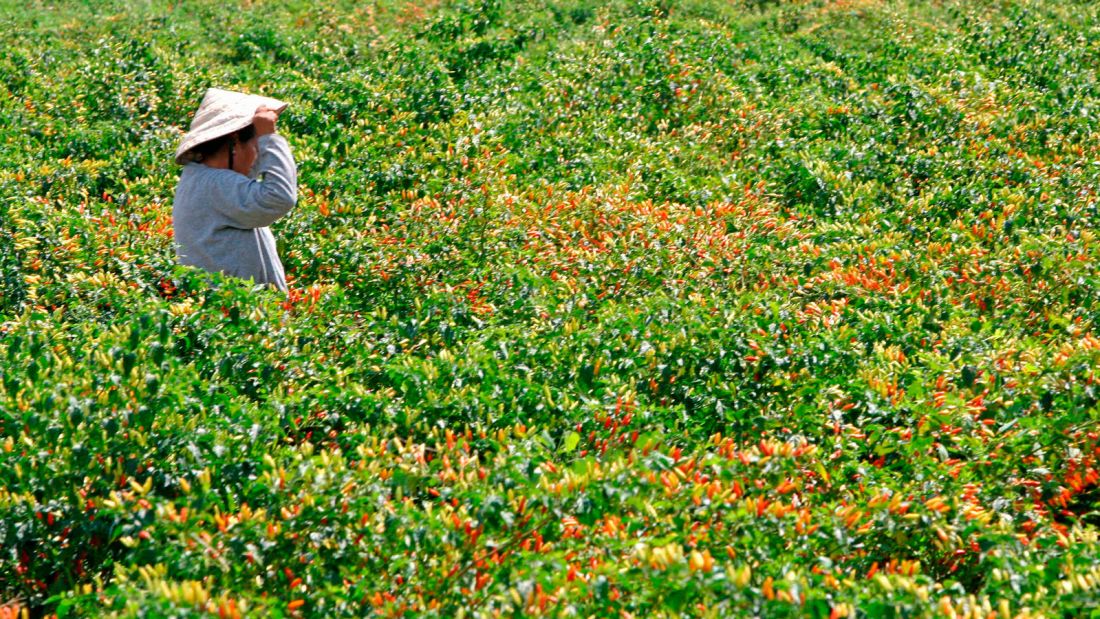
(221, 218)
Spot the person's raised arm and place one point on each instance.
(256, 203)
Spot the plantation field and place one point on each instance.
(638, 308)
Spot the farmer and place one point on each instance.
(238, 178)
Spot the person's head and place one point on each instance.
(236, 151)
(226, 126)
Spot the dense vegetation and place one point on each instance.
(627, 309)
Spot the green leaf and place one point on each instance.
(570, 442)
(64, 607)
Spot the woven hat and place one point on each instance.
(222, 112)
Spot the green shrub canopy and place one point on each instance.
(624, 309)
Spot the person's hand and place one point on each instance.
(264, 120)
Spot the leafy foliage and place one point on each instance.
(623, 309)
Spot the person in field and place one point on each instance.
(238, 178)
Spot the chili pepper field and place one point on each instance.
(638, 308)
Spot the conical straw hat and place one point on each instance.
(222, 112)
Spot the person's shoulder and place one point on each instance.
(203, 183)
(193, 169)
(205, 174)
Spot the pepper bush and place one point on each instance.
(634, 309)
